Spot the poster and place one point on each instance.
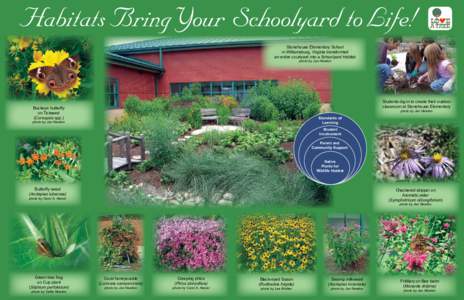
(231, 150)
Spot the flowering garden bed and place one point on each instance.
(417, 244)
(50, 160)
(424, 152)
(347, 249)
(190, 244)
(277, 244)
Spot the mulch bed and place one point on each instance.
(152, 177)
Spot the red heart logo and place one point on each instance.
(442, 20)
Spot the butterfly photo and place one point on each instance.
(45, 68)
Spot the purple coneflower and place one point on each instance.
(438, 166)
(408, 163)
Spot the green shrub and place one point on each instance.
(223, 114)
(194, 116)
(192, 91)
(268, 127)
(347, 245)
(161, 139)
(311, 110)
(250, 125)
(262, 109)
(294, 100)
(274, 154)
(127, 123)
(134, 106)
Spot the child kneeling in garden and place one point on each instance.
(440, 70)
(383, 63)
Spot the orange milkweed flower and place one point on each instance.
(43, 157)
(29, 161)
(35, 156)
(21, 161)
(58, 162)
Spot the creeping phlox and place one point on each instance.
(419, 244)
(49, 161)
(277, 243)
(190, 244)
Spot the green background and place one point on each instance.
(353, 94)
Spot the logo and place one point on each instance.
(440, 18)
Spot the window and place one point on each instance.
(112, 93)
(237, 89)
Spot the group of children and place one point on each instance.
(426, 63)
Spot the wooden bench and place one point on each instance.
(125, 142)
(239, 114)
(209, 114)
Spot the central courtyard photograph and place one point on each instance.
(204, 121)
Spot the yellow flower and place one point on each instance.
(37, 55)
(21, 42)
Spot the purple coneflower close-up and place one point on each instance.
(408, 163)
(438, 166)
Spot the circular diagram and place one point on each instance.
(330, 148)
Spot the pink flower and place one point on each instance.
(403, 229)
(393, 227)
(434, 240)
(446, 225)
(450, 268)
(415, 260)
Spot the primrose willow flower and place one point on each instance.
(438, 166)
(408, 165)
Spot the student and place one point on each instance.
(440, 70)
(383, 63)
(414, 64)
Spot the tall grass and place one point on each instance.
(251, 180)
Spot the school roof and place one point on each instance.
(181, 44)
(133, 63)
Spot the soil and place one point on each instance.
(359, 267)
(289, 165)
(152, 177)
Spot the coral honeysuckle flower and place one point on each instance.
(53, 59)
(35, 156)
